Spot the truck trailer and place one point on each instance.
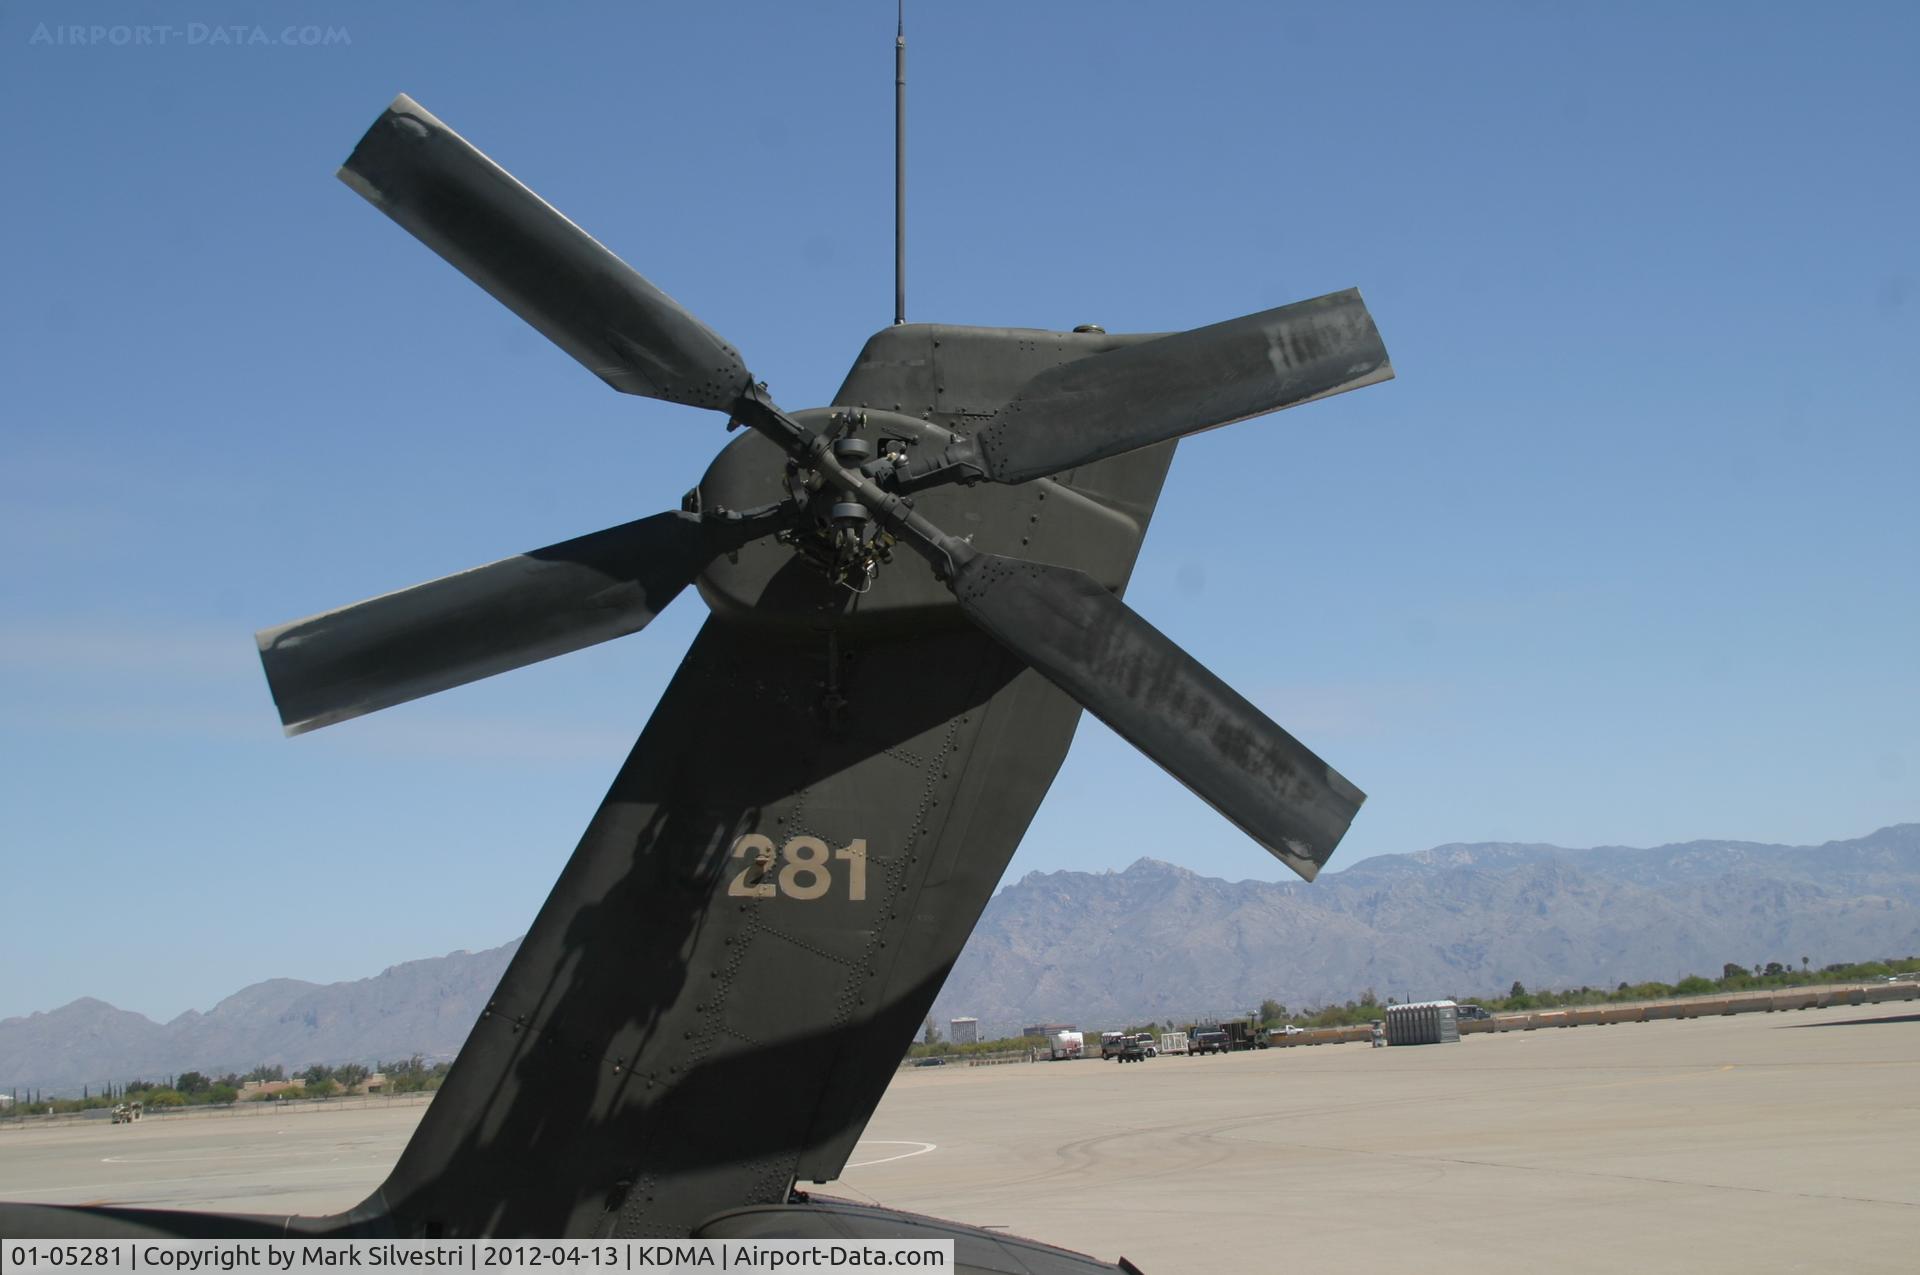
(1065, 1045)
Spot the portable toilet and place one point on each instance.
(1423, 1023)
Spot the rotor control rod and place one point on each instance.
(944, 553)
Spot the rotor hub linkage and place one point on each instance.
(844, 540)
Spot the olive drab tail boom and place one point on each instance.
(713, 998)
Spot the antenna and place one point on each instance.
(900, 167)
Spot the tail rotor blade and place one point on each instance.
(1164, 702)
(460, 628)
(1176, 385)
(541, 266)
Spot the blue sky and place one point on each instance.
(1625, 555)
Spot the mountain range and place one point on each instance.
(1158, 942)
(1154, 942)
(419, 1007)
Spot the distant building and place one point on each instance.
(963, 1031)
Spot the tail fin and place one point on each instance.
(723, 981)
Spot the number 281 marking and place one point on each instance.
(806, 874)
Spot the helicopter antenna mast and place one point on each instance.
(900, 167)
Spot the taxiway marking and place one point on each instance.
(924, 1147)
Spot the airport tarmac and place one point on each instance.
(1760, 1142)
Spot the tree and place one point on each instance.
(1272, 1011)
(264, 1072)
(1518, 990)
(191, 1083)
(409, 1076)
(350, 1074)
(1804, 962)
(933, 1033)
(316, 1074)
(1774, 969)
(1733, 973)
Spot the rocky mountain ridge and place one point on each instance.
(1157, 941)
(421, 1007)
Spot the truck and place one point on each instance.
(1244, 1033)
(1065, 1045)
(1207, 1040)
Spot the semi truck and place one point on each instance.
(1065, 1045)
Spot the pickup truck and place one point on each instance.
(1210, 1040)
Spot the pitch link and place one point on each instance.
(944, 553)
